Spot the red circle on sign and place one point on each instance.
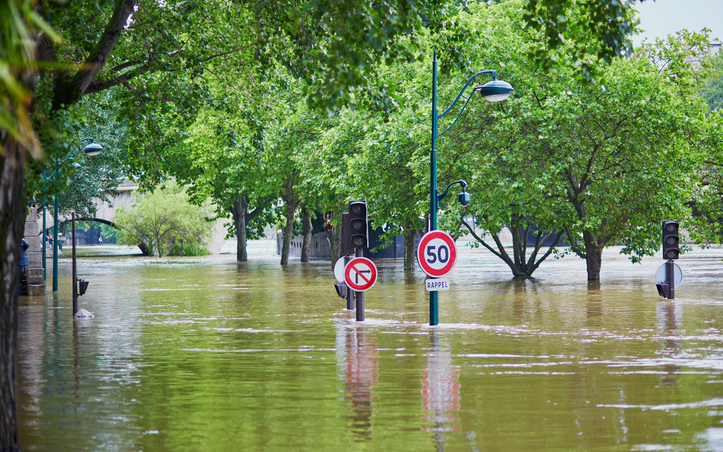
(437, 253)
(360, 274)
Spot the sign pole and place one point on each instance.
(433, 296)
(359, 295)
(670, 269)
(349, 292)
(75, 272)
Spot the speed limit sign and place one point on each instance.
(436, 253)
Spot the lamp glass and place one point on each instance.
(495, 90)
(93, 149)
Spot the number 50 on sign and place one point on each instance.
(436, 253)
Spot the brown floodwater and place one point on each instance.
(207, 354)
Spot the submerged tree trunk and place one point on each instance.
(12, 220)
(410, 235)
(291, 205)
(306, 245)
(593, 256)
(288, 232)
(241, 219)
(335, 240)
(238, 212)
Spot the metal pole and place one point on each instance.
(670, 268)
(75, 273)
(359, 295)
(45, 239)
(433, 296)
(55, 245)
(349, 292)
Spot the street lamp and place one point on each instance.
(494, 91)
(92, 149)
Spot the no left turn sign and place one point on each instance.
(360, 274)
(437, 253)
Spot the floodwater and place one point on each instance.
(207, 354)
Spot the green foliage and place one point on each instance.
(17, 61)
(109, 233)
(164, 220)
(220, 160)
(580, 34)
(713, 91)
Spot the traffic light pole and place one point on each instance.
(349, 292)
(359, 295)
(75, 272)
(670, 270)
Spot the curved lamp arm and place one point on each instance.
(67, 157)
(441, 196)
(488, 71)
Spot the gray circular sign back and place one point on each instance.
(661, 275)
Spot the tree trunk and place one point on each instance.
(410, 235)
(238, 212)
(288, 232)
(12, 220)
(336, 240)
(306, 246)
(593, 256)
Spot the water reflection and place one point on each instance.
(440, 391)
(669, 318)
(359, 356)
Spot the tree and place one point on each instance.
(606, 166)
(221, 159)
(289, 139)
(163, 220)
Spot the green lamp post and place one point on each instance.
(494, 91)
(92, 149)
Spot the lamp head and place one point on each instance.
(495, 90)
(76, 166)
(92, 149)
(464, 198)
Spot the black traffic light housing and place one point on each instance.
(341, 289)
(671, 239)
(358, 225)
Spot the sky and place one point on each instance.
(660, 18)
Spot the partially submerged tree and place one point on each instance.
(162, 220)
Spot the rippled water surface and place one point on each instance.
(207, 354)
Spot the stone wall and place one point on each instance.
(34, 271)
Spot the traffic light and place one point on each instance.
(358, 225)
(670, 239)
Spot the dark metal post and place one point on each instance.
(55, 245)
(349, 292)
(45, 239)
(359, 295)
(670, 269)
(75, 273)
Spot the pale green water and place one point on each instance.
(204, 354)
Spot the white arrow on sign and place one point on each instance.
(360, 274)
